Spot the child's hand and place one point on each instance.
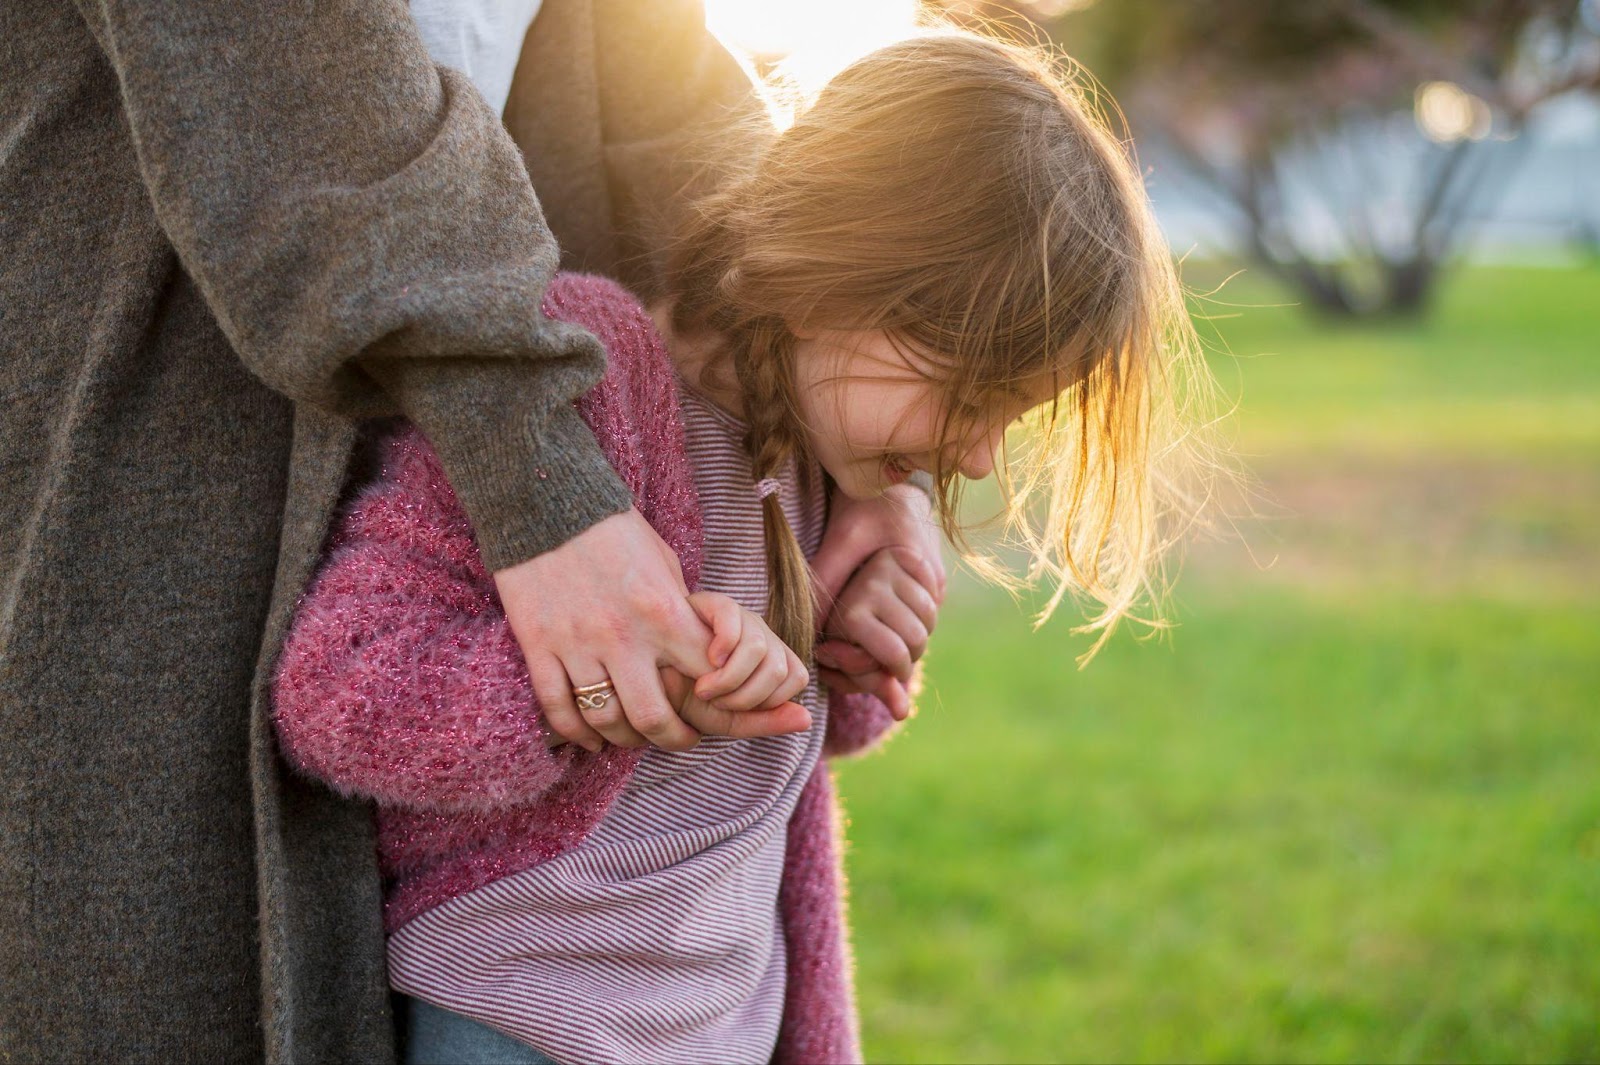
(754, 670)
(879, 628)
(749, 693)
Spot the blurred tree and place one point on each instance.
(1269, 104)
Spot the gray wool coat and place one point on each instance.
(227, 231)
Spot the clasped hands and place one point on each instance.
(611, 605)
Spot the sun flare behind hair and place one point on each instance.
(801, 44)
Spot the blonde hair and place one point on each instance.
(967, 196)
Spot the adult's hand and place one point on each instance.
(610, 604)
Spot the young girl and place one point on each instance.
(948, 239)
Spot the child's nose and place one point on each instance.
(978, 462)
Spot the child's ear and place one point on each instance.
(801, 332)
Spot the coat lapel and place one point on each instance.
(324, 985)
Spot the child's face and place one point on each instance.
(872, 415)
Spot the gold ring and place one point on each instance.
(594, 696)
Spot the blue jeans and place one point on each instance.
(437, 1036)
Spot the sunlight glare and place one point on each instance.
(814, 39)
(1445, 112)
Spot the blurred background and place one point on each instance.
(1348, 808)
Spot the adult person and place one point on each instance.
(231, 231)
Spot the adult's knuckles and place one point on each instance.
(655, 606)
(670, 739)
(651, 720)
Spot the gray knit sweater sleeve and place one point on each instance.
(365, 232)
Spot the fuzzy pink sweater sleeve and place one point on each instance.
(400, 679)
(856, 724)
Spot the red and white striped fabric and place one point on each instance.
(657, 939)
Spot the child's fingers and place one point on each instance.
(919, 569)
(889, 689)
(904, 622)
(887, 593)
(917, 599)
(882, 641)
(757, 691)
(726, 620)
(793, 683)
(758, 688)
(895, 697)
(743, 660)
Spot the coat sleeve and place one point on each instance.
(400, 679)
(363, 230)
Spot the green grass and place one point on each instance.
(1509, 364)
(1320, 821)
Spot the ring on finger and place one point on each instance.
(593, 696)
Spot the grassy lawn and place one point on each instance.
(1349, 810)
(1507, 366)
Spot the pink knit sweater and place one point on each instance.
(400, 681)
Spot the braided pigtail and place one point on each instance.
(765, 370)
(708, 285)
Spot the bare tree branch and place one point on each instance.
(1420, 53)
(1438, 188)
(1577, 80)
(1356, 62)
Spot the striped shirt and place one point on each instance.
(657, 939)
